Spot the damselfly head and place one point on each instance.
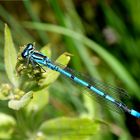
(29, 47)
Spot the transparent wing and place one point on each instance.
(104, 103)
(115, 92)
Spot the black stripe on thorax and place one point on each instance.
(39, 56)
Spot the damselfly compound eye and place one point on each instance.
(27, 50)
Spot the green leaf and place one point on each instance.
(39, 100)
(18, 104)
(7, 124)
(10, 57)
(46, 50)
(70, 128)
(50, 76)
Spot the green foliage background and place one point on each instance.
(102, 41)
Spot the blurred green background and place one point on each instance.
(103, 37)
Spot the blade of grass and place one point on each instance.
(59, 14)
(134, 8)
(76, 46)
(20, 31)
(115, 20)
(28, 6)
